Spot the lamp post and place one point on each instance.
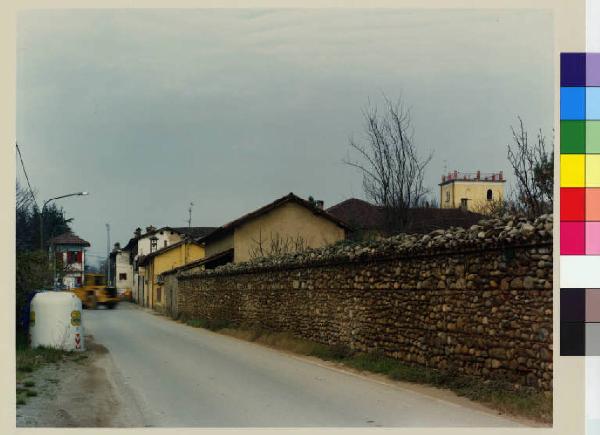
(42, 226)
(44, 207)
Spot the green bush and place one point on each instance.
(332, 353)
(211, 324)
(216, 324)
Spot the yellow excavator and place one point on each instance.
(94, 292)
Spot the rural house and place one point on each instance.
(287, 224)
(151, 241)
(67, 253)
(164, 260)
(121, 270)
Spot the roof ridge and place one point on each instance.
(267, 207)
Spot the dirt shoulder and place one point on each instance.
(83, 390)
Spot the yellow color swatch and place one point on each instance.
(572, 170)
(592, 170)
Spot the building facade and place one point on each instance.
(144, 244)
(165, 260)
(121, 270)
(67, 255)
(151, 241)
(286, 225)
(471, 191)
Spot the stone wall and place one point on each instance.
(171, 289)
(477, 301)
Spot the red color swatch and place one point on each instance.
(572, 204)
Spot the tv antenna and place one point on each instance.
(190, 215)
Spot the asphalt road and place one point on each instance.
(183, 376)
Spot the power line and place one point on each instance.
(25, 171)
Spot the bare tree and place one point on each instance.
(533, 167)
(24, 199)
(392, 170)
(276, 245)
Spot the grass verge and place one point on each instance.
(28, 360)
(495, 394)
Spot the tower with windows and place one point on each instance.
(471, 191)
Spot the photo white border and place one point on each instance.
(569, 36)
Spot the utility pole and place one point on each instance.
(108, 253)
(190, 215)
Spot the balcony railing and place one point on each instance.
(473, 176)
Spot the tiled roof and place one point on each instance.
(363, 215)
(191, 232)
(143, 259)
(69, 239)
(265, 209)
(358, 213)
(427, 219)
(194, 232)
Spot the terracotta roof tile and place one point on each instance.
(69, 239)
(363, 215)
(265, 209)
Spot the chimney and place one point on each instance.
(320, 204)
(117, 246)
(500, 175)
(150, 228)
(137, 232)
(478, 175)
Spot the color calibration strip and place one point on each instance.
(580, 321)
(580, 197)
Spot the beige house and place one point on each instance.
(286, 225)
(471, 191)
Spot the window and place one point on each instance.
(165, 243)
(463, 203)
(122, 276)
(490, 195)
(72, 257)
(447, 196)
(158, 293)
(153, 244)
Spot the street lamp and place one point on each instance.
(44, 207)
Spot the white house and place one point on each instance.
(121, 269)
(67, 254)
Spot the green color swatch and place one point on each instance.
(572, 137)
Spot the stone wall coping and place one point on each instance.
(249, 268)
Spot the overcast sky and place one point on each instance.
(149, 110)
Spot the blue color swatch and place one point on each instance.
(572, 103)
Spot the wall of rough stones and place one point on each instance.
(477, 301)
